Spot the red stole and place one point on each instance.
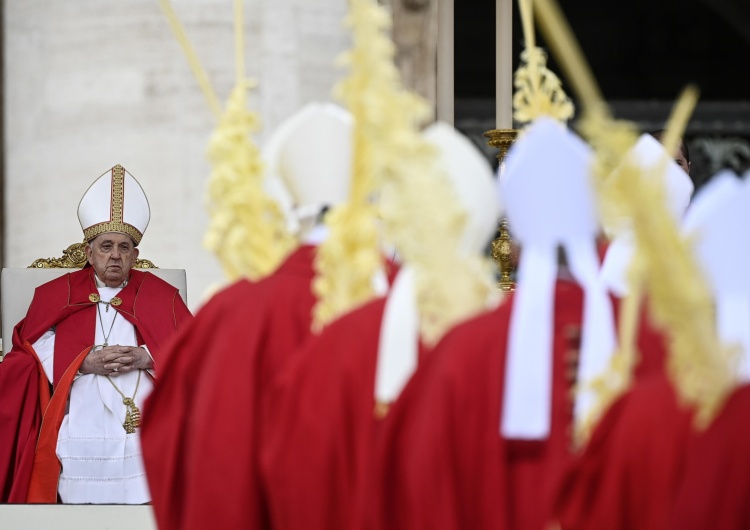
(45, 471)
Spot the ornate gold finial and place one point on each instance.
(538, 92)
(502, 139)
(502, 253)
(502, 247)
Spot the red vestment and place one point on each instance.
(319, 441)
(28, 463)
(627, 475)
(715, 488)
(443, 462)
(203, 422)
(652, 348)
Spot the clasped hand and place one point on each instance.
(115, 360)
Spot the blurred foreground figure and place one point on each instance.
(646, 154)
(715, 486)
(203, 427)
(83, 363)
(328, 408)
(634, 465)
(597, 492)
(480, 435)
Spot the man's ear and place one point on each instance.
(88, 250)
(136, 251)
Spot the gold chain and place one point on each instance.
(101, 324)
(132, 412)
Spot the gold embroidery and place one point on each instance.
(118, 189)
(132, 412)
(112, 226)
(74, 257)
(115, 223)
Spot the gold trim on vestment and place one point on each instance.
(115, 223)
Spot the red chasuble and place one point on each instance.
(715, 488)
(443, 463)
(32, 411)
(202, 423)
(628, 474)
(321, 429)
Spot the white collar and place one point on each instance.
(100, 283)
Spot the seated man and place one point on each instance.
(82, 363)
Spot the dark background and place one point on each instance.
(642, 53)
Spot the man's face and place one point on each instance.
(682, 161)
(112, 255)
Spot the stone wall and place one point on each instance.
(93, 83)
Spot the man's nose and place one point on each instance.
(115, 253)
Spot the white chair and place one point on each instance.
(18, 285)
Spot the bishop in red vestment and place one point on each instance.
(205, 422)
(61, 425)
(644, 451)
(482, 433)
(443, 462)
(715, 488)
(155, 309)
(320, 436)
(629, 473)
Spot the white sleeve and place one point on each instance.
(151, 370)
(45, 350)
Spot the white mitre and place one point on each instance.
(647, 154)
(717, 225)
(470, 176)
(550, 203)
(309, 162)
(115, 202)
